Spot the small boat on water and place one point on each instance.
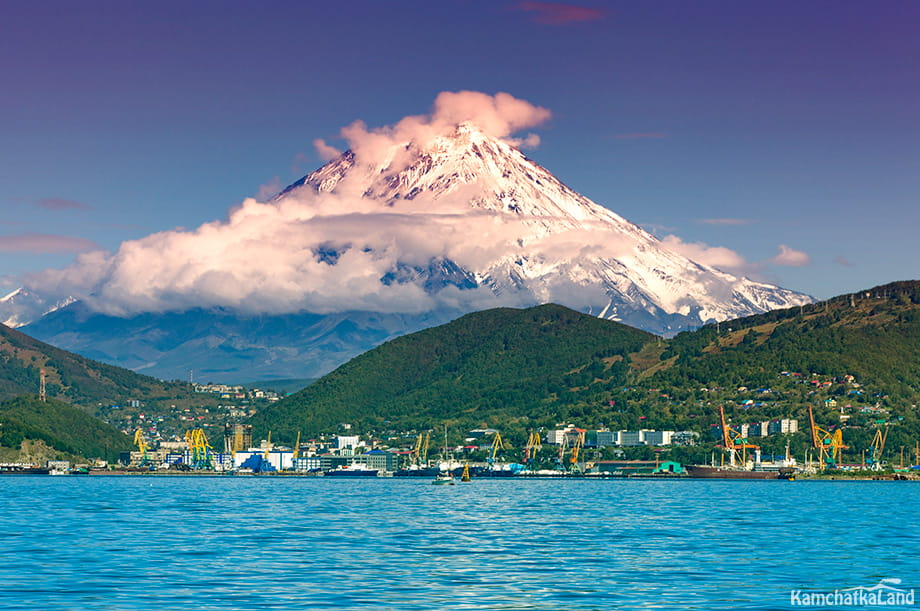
(443, 479)
(355, 470)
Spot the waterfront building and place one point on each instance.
(783, 426)
(380, 459)
(607, 438)
(657, 438)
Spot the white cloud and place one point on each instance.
(719, 257)
(790, 257)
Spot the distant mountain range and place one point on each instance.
(457, 223)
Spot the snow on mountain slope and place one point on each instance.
(21, 306)
(568, 249)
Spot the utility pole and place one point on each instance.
(42, 395)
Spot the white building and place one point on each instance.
(347, 442)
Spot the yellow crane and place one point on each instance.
(296, 448)
(827, 443)
(497, 444)
(874, 460)
(732, 442)
(199, 448)
(533, 446)
(577, 446)
(420, 451)
(141, 446)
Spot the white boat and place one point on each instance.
(442, 479)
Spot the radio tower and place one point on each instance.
(41, 386)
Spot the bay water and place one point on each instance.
(174, 542)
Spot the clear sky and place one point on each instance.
(755, 126)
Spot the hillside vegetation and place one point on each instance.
(61, 427)
(106, 391)
(489, 368)
(853, 359)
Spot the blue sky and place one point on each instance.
(739, 125)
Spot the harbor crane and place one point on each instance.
(576, 447)
(828, 444)
(497, 444)
(199, 449)
(420, 450)
(733, 442)
(874, 459)
(533, 446)
(141, 446)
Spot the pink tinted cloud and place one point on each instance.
(555, 13)
(325, 151)
(714, 256)
(841, 260)
(43, 243)
(58, 203)
(498, 116)
(791, 257)
(641, 136)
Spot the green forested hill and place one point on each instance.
(854, 359)
(60, 426)
(522, 369)
(69, 376)
(873, 335)
(112, 393)
(488, 368)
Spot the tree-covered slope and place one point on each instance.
(486, 368)
(60, 426)
(873, 335)
(69, 376)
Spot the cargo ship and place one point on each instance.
(739, 467)
(356, 470)
(21, 469)
(708, 472)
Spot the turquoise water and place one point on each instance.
(323, 543)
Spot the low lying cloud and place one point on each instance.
(714, 256)
(730, 261)
(44, 243)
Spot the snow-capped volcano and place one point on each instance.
(565, 248)
(416, 224)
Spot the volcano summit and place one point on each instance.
(415, 224)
